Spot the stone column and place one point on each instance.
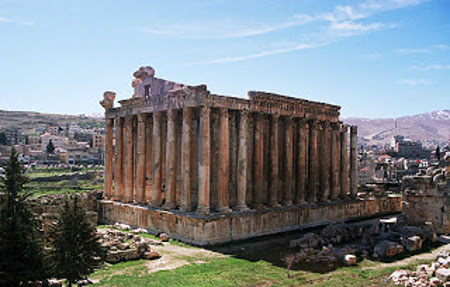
(224, 162)
(289, 169)
(148, 158)
(185, 196)
(344, 162)
(313, 164)
(171, 160)
(301, 163)
(140, 173)
(259, 162)
(325, 162)
(118, 172)
(335, 161)
(274, 161)
(204, 161)
(156, 157)
(128, 136)
(109, 158)
(353, 161)
(242, 162)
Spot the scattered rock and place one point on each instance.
(164, 237)
(350, 259)
(443, 274)
(412, 243)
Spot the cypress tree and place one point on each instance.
(76, 250)
(21, 249)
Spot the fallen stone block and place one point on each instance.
(412, 243)
(443, 274)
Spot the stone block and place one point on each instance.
(350, 259)
(412, 243)
(443, 274)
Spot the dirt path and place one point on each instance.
(175, 256)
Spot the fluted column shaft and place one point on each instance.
(289, 168)
(171, 160)
(335, 161)
(140, 173)
(301, 163)
(353, 161)
(109, 159)
(128, 136)
(185, 196)
(345, 188)
(274, 161)
(118, 180)
(313, 164)
(204, 163)
(242, 162)
(148, 158)
(156, 157)
(325, 162)
(259, 162)
(224, 162)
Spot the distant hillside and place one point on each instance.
(10, 119)
(428, 128)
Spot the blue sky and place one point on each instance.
(375, 58)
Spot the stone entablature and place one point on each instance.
(181, 147)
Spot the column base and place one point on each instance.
(259, 206)
(224, 210)
(203, 210)
(302, 202)
(155, 204)
(185, 208)
(274, 204)
(169, 206)
(242, 208)
(287, 202)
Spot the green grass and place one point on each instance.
(231, 271)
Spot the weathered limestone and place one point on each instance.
(109, 157)
(185, 195)
(345, 187)
(258, 172)
(181, 146)
(301, 162)
(242, 162)
(128, 148)
(353, 161)
(325, 167)
(289, 169)
(156, 157)
(140, 174)
(224, 162)
(313, 168)
(204, 161)
(171, 160)
(274, 161)
(118, 171)
(335, 161)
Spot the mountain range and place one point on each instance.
(430, 128)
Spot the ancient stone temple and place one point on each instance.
(206, 168)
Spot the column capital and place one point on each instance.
(157, 115)
(172, 114)
(344, 127)
(335, 125)
(205, 111)
(325, 124)
(128, 120)
(313, 123)
(187, 111)
(301, 120)
(275, 117)
(110, 123)
(353, 129)
(223, 112)
(141, 117)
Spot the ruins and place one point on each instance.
(207, 168)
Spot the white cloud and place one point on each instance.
(414, 82)
(259, 55)
(349, 26)
(435, 67)
(5, 20)
(409, 51)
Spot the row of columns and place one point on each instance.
(320, 171)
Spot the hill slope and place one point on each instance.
(428, 128)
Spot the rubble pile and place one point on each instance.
(435, 274)
(341, 242)
(124, 246)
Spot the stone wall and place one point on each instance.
(220, 228)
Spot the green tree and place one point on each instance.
(20, 246)
(438, 153)
(76, 250)
(3, 139)
(50, 147)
